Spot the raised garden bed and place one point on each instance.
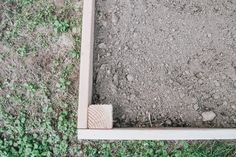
(160, 64)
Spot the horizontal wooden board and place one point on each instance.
(157, 134)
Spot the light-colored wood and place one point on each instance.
(86, 63)
(100, 117)
(158, 134)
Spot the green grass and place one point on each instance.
(38, 100)
(159, 149)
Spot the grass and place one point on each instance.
(38, 92)
(159, 149)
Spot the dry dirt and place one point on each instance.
(166, 63)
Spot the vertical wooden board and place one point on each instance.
(100, 117)
(86, 63)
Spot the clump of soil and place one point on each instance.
(166, 63)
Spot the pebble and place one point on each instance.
(117, 42)
(216, 96)
(132, 29)
(135, 46)
(235, 84)
(194, 100)
(224, 103)
(168, 122)
(217, 84)
(104, 23)
(123, 116)
(223, 77)
(196, 107)
(114, 19)
(119, 65)
(135, 35)
(102, 46)
(154, 106)
(115, 79)
(233, 107)
(108, 72)
(181, 95)
(130, 78)
(75, 30)
(209, 35)
(208, 116)
(108, 54)
(200, 81)
(132, 97)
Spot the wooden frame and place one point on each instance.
(95, 123)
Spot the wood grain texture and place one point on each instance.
(100, 117)
(158, 134)
(86, 62)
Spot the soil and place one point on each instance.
(166, 63)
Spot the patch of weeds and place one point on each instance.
(55, 63)
(77, 40)
(1, 85)
(159, 148)
(75, 54)
(61, 26)
(4, 55)
(23, 50)
(44, 15)
(25, 2)
(31, 87)
(64, 82)
(15, 141)
(16, 97)
(41, 41)
(24, 16)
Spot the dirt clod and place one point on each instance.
(130, 78)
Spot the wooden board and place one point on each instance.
(158, 134)
(100, 117)
(86, 62)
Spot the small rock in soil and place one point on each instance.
(130, 78)
(194, 100)
(114, 19)
(132, 97)
(200, 81)
(235, 84)
(216, 96)
(196, 107)
(217, 84)
(168, 122)
(208, 116)
(108, 54)
(75, 30)
(135, 46)
(123, 116)
(102, 46)
(224, 103)
(115, 79)
(233, 107)
(181, 95)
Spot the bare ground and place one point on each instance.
(166, 63)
